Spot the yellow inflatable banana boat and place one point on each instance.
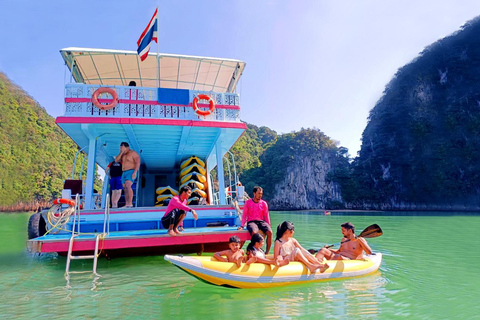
(192, 168)
(194, 176)
(193, 184)
(197, 192)
(166, 190)
(193, 200)
(163, 197)
(190, 161)
(259, 275)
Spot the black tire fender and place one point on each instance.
(36, 226)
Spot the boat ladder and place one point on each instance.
(98, 237)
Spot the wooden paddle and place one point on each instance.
(372, 231)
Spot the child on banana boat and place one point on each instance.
(234, 254)
(255, 251)
(288, 249)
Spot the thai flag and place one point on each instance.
(149, 34)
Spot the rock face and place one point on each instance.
(305, 185)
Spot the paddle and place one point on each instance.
(372, 231)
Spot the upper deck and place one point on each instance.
(156, 116)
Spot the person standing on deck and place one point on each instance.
(256, 216)
(177, 210)
(114, 171)
(130, 165)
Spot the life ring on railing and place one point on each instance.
(101, 90)
(71, 203)
(201, 112)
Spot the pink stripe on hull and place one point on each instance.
(160, 241)
(161, 211)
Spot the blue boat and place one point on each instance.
(181, 106)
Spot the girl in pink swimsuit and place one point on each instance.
(288, 249)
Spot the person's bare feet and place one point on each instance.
(172, 233)
(324, 267)
(313, 268)
(282, 262)
(177, 231)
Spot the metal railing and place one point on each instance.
(139, 102)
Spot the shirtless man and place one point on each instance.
(351, 248)
(130, 165)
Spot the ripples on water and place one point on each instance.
(429, 271)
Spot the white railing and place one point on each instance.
(139, 102)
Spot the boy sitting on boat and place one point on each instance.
(177, 210)
(234, 254)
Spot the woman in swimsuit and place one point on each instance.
(255, 252)
(288, 249)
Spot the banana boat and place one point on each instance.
(163, 197)
(198, 193)
(192, 168)
(193, 184)
(259, 275)
(166, 190)
(190, 161)
(193, 176)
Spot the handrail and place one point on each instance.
(75, 161)
(106, 218)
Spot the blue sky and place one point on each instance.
(315, 63)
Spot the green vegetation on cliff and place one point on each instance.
(35, 155)
(422, 141)
(281, 152)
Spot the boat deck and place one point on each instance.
(207, 239)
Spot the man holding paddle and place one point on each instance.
(351, 247)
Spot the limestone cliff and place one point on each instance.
(306, 186)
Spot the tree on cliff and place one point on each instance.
(422, 141)
(35, 155)
(288, 148)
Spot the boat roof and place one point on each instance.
(119, 67)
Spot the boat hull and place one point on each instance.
(259, 275)
(141, 242)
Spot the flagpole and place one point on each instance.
(158, 52)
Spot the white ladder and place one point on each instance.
(96, 253)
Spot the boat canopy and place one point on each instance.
(118, 68)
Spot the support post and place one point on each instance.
(92, 151)
(221, 180)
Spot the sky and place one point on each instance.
(310, 63)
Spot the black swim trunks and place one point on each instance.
(254, 225)
(172, 218)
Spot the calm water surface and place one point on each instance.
(430, 271)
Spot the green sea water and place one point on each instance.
(430, 270)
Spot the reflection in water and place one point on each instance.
(80, 278)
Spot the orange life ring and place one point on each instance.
(201, 112)
(71, 203)
(101, 90)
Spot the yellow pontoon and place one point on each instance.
(259, 275)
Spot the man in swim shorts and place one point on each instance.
(130, 165)
(177, 210)
(351, 248)
(256, 216)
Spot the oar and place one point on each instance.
(372, 231)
